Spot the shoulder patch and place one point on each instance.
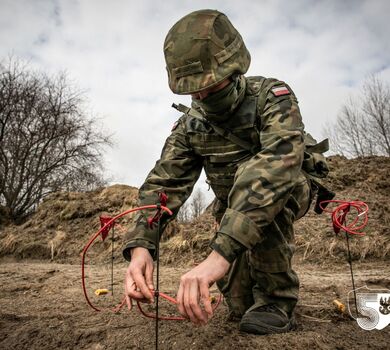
(174, 126)
(280, 91)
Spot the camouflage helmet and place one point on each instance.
(201, 50)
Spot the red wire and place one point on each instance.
(339, 215)
(92, 239)
(123, 302)
(173, 301)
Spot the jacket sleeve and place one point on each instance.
(175, 173)
(263, 184)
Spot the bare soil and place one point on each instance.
(42, 304)
(42, 307)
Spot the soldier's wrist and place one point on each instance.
(138, 243)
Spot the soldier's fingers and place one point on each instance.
(149, 276)
(187, 303)
(132, 291)
(205, 296)
(180, 301)
(129, 284)
(137, 295)
(127, 298)
(195, 303)
(128, 302)
(141, 284)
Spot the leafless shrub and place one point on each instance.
(193, 208)
(363, 125)
(47, 141)
(198, 203)
(184, 214)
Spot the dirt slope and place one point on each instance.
(64, 221)
(41, 300)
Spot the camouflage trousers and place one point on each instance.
(264, 274)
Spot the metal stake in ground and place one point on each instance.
(339, 220)
(156, 293)
(112, 260)
(352, 277)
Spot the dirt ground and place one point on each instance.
(42, 304)
(42, 307)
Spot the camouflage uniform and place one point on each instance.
(259, 194)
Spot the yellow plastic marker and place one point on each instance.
(99, 292)
(339, 305)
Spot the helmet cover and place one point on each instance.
(201, 50)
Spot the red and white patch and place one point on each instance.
(280, 91)
(175, 125)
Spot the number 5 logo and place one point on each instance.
(372, 308)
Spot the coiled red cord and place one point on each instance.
(96, 235)
(173, 301)
(108, 225)
(339, 215)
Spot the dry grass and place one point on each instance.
(64, 222)
(316, 241)
(316, 248)
(56, 243)
(8, 244)
(191, 244)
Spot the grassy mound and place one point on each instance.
(364, 179)
(64, 222)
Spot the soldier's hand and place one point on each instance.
(194, 288)
(139, 277)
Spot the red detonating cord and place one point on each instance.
(97, 234)
(339, 220)
(339, 215)
(108, 224)
(172, 301)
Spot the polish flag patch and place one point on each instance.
(280, 91)
(175, 125)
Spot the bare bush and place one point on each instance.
(376, 106)
(184, 214)
(198, 203)
(193, 208)
(47, 141)
(363, 125)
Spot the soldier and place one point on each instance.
(247, 133)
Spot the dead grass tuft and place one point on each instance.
(8, 244)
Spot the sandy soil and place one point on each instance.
(42, 307)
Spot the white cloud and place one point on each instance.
(113, 50)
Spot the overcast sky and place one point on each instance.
(113, 51)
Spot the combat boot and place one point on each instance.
(266, 319)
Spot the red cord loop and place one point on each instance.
(215, 303)
(108, 224)
(339, 216)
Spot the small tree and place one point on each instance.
(198, 203)
(363, 126)
(184, 214)
(376, 106)
(47, 142)
(191, 209)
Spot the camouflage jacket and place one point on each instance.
(251, 189)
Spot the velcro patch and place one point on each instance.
(175, 125)
(280, 91)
